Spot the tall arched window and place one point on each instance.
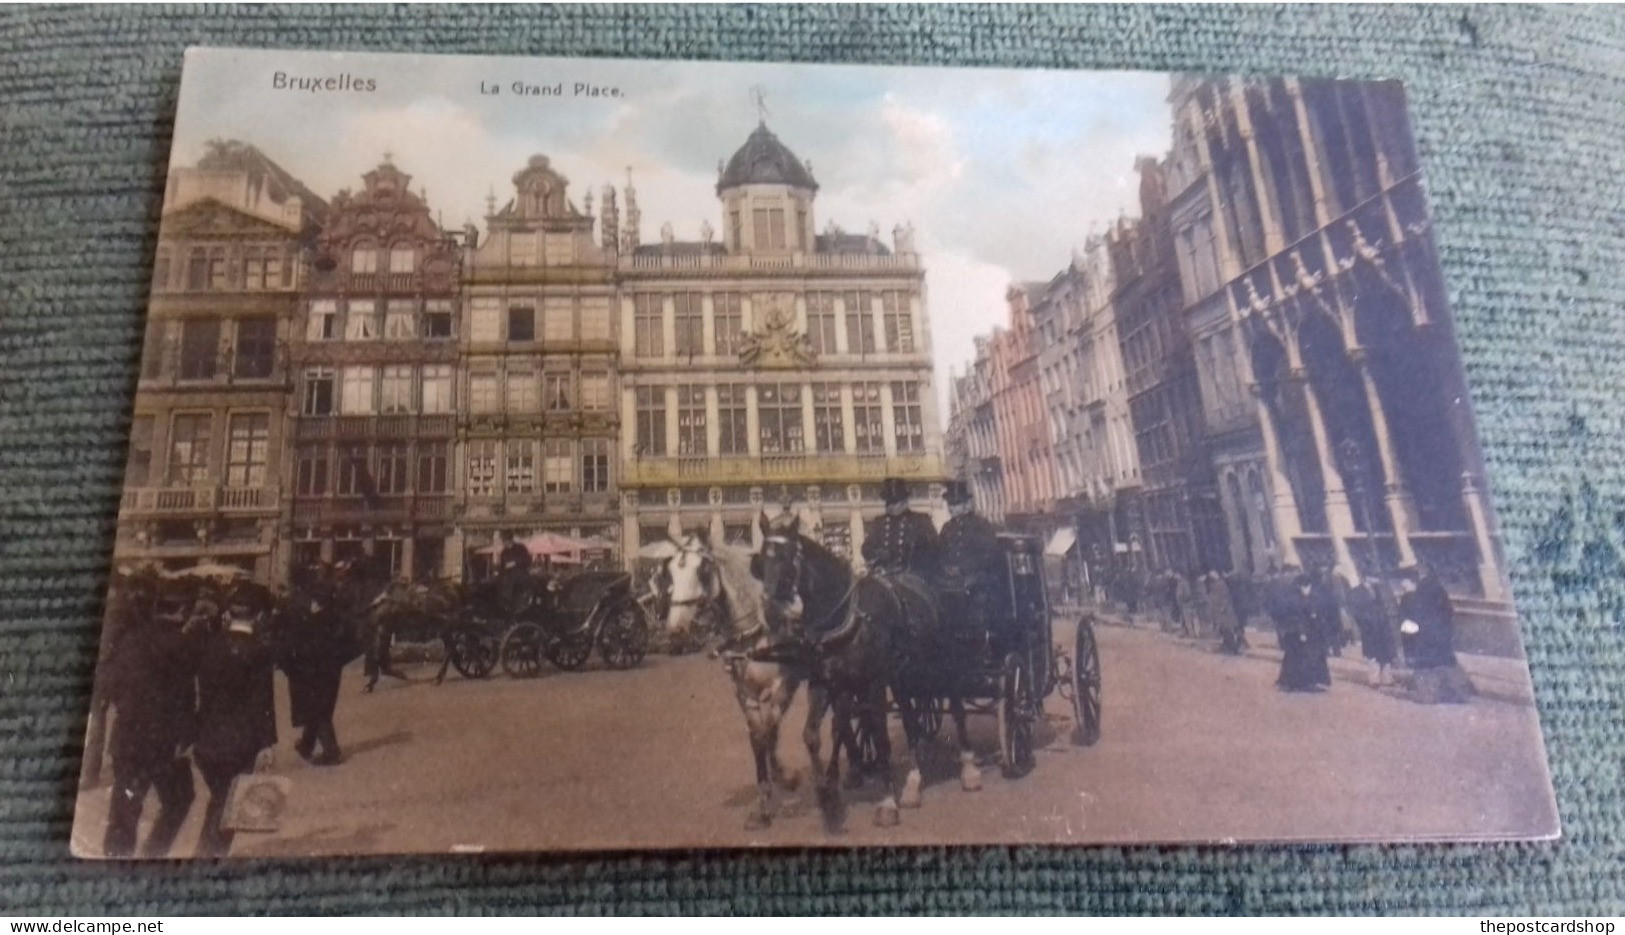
(364, 259)
(402, 258)
(1261, 505)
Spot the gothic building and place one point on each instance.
(538, 426)
(374, 412)
(1325, 349)
(768, 362)
(207, 444)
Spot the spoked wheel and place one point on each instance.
(624, 637)
(865, 752)
(1016, 716)
(521, 651)
(569, 651)
(928, 714)
(473, 654)
(1086, 685)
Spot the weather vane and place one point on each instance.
(759, 98)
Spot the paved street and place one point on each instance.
(1195, 746)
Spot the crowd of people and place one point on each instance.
(185, 681)
(1403, 622)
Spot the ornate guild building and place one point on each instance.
(374, 409)
(770, 362)
(538, 429)
(208, 441)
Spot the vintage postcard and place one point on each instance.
(560, 454)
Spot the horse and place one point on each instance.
(423, 612)
(866, 635)
(707, 587)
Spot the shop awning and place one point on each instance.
(1062, 542)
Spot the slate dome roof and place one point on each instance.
(763, 160)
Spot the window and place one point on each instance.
(324, 321)
(312, 474)
(595, 319)
(482, 468)
(200, 348)
(522, 392)
(595, 391)
(821, 321)
(727, 322)
(691, 420)
(217, 271)
(189, 449)
(483, 393)
(860, 325)
(485, 321)
(868, 427)
(262, 268)
(594, 465)
(522, 323)
(394, 460)
(647, 325)
(737, 240)
(398, 324)
(362, 322)
(651, 404)
(256, 348)
(247, 444)
(556, 392)
(522, 248)
(354, 478)
(828, 424)
(689, 324)
(769, 228)
(402, 258)
(521, 473)
(899, 322)
(437, 388)
(152, 351)
(364, 260)
(358, 395)
(558, 249)
(431, 467)
(160, 272)
(318, 392)
(138, 469)
(778, 410)
(732, 425)
(558, 319)
(437, 319)
(197, 269)
(558, 465)
(395, 390)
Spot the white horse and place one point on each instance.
(708, 585)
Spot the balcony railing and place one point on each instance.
(191, 500)
(780, 468)
(383, 282)
(309, 428)
(750, 261)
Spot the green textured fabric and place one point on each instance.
(1520, 115)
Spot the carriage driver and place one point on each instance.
(513, 573)
(971, 559)
(902, 540)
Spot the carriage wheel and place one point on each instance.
(521, 652)
(569, 652)
(927, 714)
(472, 654)
(624, 637)
(1086, 685)
(1016, 716)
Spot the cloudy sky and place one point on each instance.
(1003, 173)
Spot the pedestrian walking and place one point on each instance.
(1223, 616)
(1300, 627)
(1427, 629)
(236, 718)
(1372, 607)
(313, 646)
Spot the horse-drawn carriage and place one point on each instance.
(567, 618)
(1015, 666)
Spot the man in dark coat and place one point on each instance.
(314, 646)
(150, 685)
(971, 560)
(236, 719)
(1372, 606)
(1427, 628)
(513, 573)
(901, 540)
(1223, 616)
(1301, 628)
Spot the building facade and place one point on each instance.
(1026, 454)
(539, 429)
(771, 363)
(207, 447)
(374, 413)
(1314, 278)
(972, 438)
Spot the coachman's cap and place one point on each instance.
(958, 492)
(894, 490)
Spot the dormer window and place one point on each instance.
(769, 228)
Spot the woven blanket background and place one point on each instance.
(1520, 115)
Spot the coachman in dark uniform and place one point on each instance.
(902, 540)
(151, 687)
(513, 574)
(971, 561)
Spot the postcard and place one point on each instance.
(572, 454)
